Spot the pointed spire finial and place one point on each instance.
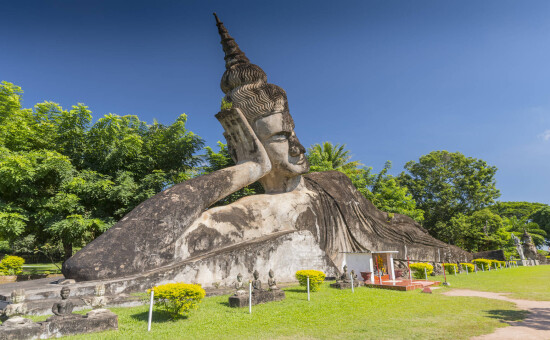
(233, 54)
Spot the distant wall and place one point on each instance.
(491, 255)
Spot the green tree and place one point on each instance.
(333, 156)
(542, 218)
(64, 182)
(446, 184)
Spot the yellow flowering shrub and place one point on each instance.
(12, 265)
(450, 267)
(316, 278)
(483, 264)
(418, 269)
(468, 267)
(178, 298)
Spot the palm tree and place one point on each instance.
(336, 155)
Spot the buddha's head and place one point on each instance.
(271, 274)
(239, 277)
(256, 275)
(265, 106)
(65, 292)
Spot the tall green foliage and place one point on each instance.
(64, 180)
(445, 184)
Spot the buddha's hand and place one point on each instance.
(242, 143)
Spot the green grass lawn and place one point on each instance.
(331, 314)
(530, 283)
(40, 268)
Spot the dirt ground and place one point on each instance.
(536, 325)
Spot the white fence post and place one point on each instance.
(150, 311)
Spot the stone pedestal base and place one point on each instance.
(98, 320)
(56, 326)
(20, 328)
(258, 297)
(345, 285)
(527, 262)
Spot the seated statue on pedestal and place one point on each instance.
(271, 281)
(324, 212)
(256, 283)
(239, 285)
(63, 308)
(345, 275)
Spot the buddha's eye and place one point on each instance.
(280, 137)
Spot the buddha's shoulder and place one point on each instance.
(328, 180)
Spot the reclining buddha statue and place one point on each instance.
(303, 221)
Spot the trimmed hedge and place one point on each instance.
(418, 269)
(482, 264)
(450, 267)
(178, 298)
(316, 278)
(12, 265)
(468, 267)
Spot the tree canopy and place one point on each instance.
(64, 180)
(445, 184)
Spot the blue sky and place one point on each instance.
(393, 80)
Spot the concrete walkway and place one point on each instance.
(535, 326)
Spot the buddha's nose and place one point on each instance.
(296, 149)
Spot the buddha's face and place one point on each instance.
(65, 294)
(285, 152)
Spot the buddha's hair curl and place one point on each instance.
(245, 84)
(246, 87)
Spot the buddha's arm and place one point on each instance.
(245, 149)
(145, 238)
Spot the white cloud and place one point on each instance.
(545, 135)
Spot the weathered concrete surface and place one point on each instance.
(98, 320)
(19, 328)
(257, 297)
(94, 321)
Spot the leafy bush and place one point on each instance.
(500, 264)
(483, 264)
(418, 269)
(178, 298)
(11, 265)
(468, 267)
(450, 267)
(316, 278)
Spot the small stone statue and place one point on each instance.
(64, 307)
(99, 300)
(519, 248)
(345, 276)
(17, 305)
(256, 283)
(239, 285)
(353, 275)
(271, 281)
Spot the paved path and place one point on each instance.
(535, 326)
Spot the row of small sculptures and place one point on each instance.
(59, 309)
(256, 283)
(346, 277)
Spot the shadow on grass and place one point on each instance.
(295, 290)
(507, 315)
(158, 317)
(224, 303)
